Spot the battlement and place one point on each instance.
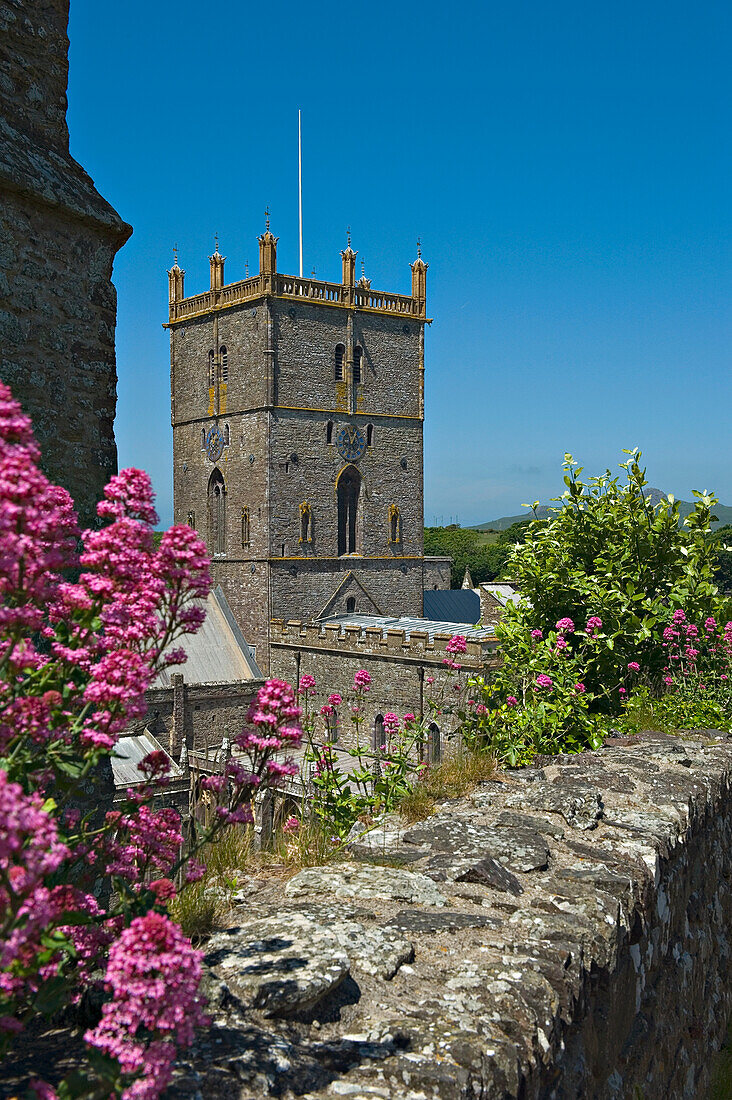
(347, 294)
(401, 643)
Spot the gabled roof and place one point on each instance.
(217, 654)
(455, 605)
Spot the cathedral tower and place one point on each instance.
(297, 409)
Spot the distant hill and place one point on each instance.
(723, 512)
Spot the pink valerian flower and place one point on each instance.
(633, 666)
(565, 626)
(153, 975)
(163, 889)
(594, 624)
(668, 681)
(622, 691)
(362, 680)
(292, 825)
(679, 616)
(335, 699)
(451, 664)
(511, 701)
(326, 710)
(391, 724)
(457, 644)
(429, 679)
(691, 630)
(409, 719)
(307, 684)
(710, 624)
(481, 708)
(537, 635)
(669, 633)
(544, 681)
(561, 644)
(724, 676)
(580, 688)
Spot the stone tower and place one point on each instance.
(58, 238)
(297, 412)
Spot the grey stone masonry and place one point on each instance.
(58, 239)
(297, 409)
(561, 934)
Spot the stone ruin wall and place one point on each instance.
(58, 239)
(333, 654)
(561, 934)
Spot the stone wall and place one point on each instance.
(400, 667)
(437, 572)
(562, 934)
(58, 239)
(199, 715)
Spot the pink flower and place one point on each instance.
(362, 680)
(481, 709)
(537, 635)
(163, 889)
(594, 623)
(335, 699)
(561, 644)
(326, 710)
(633, 666)
(457, 644)
(679, 616)
(622, 691)
(511, 701)
(580, 688)
(292, 825)
(391, 724)
(429, 679)
(710, 624)
(307, 683)
(668, 680)
(566, 626)
(544, 681)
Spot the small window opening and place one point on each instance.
(245, 532)
(227, 435)
(369, 434)
(217, 513)
(340, 354)
(305, 523)
(357, 359)
(203, 439)
(283, 549)
(395, 534)
(329, 432)
(224, 356)
(287, 467)
(211, 368)
(349, 489)
(351, 604)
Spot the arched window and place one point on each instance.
(340, 355)
(349, 488)
(305, 523)
(395, 523)
(211, 367)
(224, 356)
(227, 435)
(350, 604)
(369, 434)
(357, 361)
(329, 432)
(217, 513)
(245, 532)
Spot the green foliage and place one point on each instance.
(537, 701)
(673, 712)
(454, 778)
(468, 550)
(722, 542)
(606, 551)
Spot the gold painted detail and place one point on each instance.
(341, 396)
(291, 287)
(306, 526)
(222, 397)
(395, 525)
(211, 400)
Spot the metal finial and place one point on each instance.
(363, 268)
(246, 268)
(175, 255)
(266, 217)
(348, 236)
(312, 274)
(419, 248)
(216, 243)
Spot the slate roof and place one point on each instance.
(217, 654)
(504, 593)
(129, 751)
(431, 626)
(457, 605)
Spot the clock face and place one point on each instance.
(350, 443)
(214, 444)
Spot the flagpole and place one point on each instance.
(299, 152)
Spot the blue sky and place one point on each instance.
(566, 165)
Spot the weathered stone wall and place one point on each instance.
(208, 713)
(437, 572)
(333, 655)
(563, 934)
(58, 238)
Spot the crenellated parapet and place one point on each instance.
(422, 646)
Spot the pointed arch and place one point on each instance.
(348, 492)
(217, 512)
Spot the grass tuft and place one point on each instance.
(454, 778)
